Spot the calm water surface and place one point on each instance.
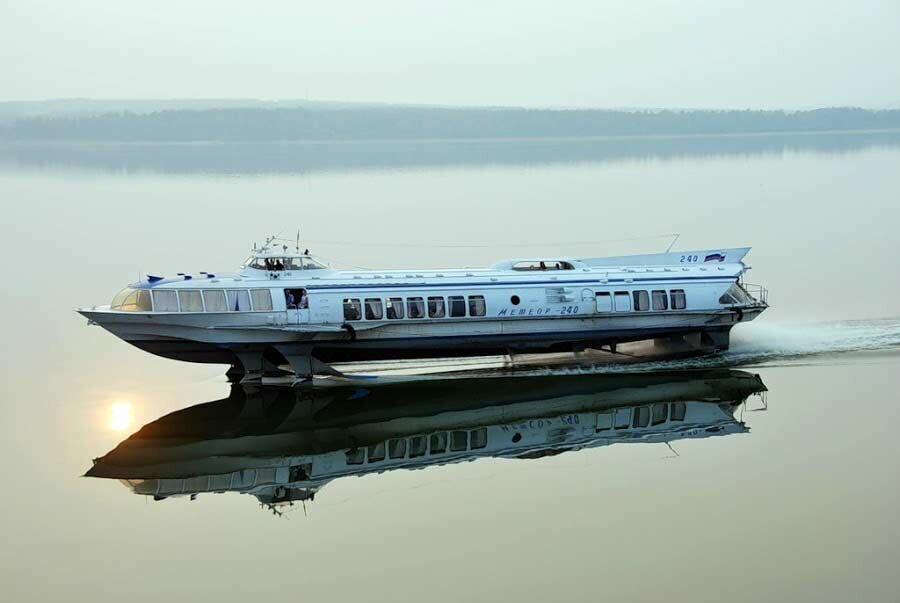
(795, 502)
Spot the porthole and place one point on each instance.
(517, 437)
(514, 300)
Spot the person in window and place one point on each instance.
(289, 299)
(304, 300)
(543, 265)
(279, 265)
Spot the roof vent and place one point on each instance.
(152, 278)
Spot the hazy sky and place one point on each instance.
(765, 53)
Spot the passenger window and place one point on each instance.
(641, 301)
(604, 421)
(238, 300)
(352, 309)
(214, 301)
(356, 456)
(641, 416)
(457, 306)
(436, 307)
(660, 413)
(374, 309)
(415, 307)
(165, 301)
(604, 302)
(417, 446)
(623, 301)
(376, 452)
(478, 438)
(476, 305)
(394, 308)
(397, 448)
(262, 300)
(459, 440)
(191, 301)
(679, 301)
(660, 301)
(623, 418)
(679, 409)
(437, 444)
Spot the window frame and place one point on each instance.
(456, 299)
(261, 292)
(392, 304)
(353, 304)
(420, 309)
(441, 304)
(215, 292)
(471, 304)
(369, 303)
(189, 292)
(237, 293)
(674, 295)
(640, 300)
(659, 295)
(164, 292)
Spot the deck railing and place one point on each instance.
(757, 292)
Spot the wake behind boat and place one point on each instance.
(285, 308)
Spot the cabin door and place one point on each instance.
(298, 317)
(297, 306)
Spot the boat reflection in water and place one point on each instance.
(282, 444)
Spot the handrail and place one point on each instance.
(756, 292)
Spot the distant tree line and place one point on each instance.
(412, 123)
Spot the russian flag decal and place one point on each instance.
(714, 257)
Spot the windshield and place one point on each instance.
(132, 300)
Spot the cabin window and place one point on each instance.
(660, 300)
(415, 307)
(397, 448)
(679, 300)
(374, 309)
(394, 307)
(623, 418)
(436, 307)
(191, 301)
(604, 421)
(641, 301)
(478, 438)
(459, 440)
(437, 443)
(641, 416)
(679, 409)
(296, 299)
(262, 300)
(417, 445)
(604, 302)
(352, 309)
(238, 300)
(214, 301)
(477, 306)
(660, 413)
(132, 300)
(623, 301)
(356, 456)
(457, 306)
(165, 301)
(376, 452)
